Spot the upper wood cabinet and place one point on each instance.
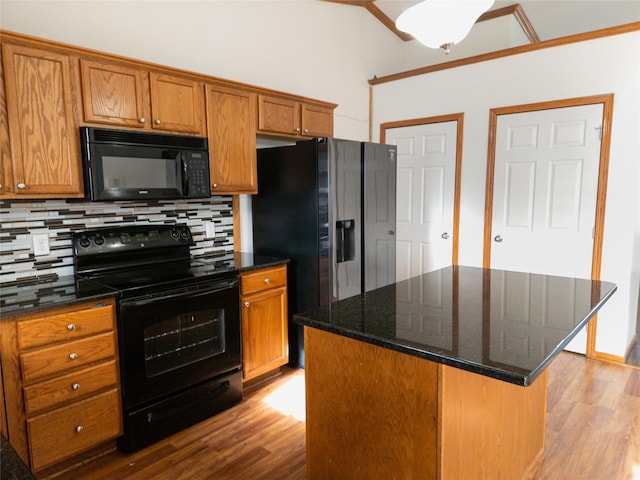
(42, 125)
(293, 118)
(117, 94)
(231, 128)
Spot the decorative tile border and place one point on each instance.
(19, 220)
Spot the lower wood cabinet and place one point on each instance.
(264, 321)
(61, 378)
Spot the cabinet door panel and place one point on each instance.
(177, 104)
(114, 94)
(5, 147)
(264, 323)
(44, 139)
(317, 121)
(278, 115)
(231, 118)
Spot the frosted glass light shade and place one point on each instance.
(436, 23)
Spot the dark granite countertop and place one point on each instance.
(505, 325)
(57, 291)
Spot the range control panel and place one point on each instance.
(135, 237)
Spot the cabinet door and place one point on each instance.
(177, 104)
(6, 174)
(231, 117)
(45, 147)
(114, 94)
(277, 115)
(264, 332)
(317, 121)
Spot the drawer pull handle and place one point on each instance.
(75, 386)
(73, 356)
(246, 304)
(71, 326)
(267, 281)
(79, 428)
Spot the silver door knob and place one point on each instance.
(497, 238)
(73, 356)
(79, 428)
(71, 326)
(75, 386)
(21, 186)
(445, 236)
(142, 120)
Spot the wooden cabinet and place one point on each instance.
(264, 321)
(64, 380)
(127, 96)
(231, 128)
(45, 150)
(289, 117)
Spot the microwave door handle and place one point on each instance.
(185, 178)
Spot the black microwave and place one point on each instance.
(126, 165)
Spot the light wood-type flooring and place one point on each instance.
(593, 433)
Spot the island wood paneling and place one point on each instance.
(495, 426)
(376, 413)
(371, 412)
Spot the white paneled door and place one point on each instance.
(425, 196)
(545, 192)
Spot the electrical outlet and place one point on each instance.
(41, 244)
(210, 230)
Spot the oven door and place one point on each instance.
(176, 339)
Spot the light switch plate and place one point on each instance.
(210, 230)
(41, 244)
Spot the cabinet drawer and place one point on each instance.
(73, 386)
(65, 326)
(264, 279)
(59, 358)
(64, 432)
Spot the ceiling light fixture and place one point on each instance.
(441, 23)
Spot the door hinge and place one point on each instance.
(599, 132)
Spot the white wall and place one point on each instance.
(608, 65)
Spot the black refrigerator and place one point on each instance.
(329, 205)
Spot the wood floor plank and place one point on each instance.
(593, 432)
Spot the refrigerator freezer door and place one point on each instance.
(345, 187)
(379, 215)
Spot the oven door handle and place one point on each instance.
(167, 414)
(185, 292)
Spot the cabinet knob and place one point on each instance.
(267, 281)
(214, 185)
(246, 304)
(142, 120)
(306, 130)
(73, 356)
(71, 326)
(75, 386)
(0, 186)
(498, 238)
(21, 186)
(157, 122)
(79, 428)
(445, 236)
(297, 129)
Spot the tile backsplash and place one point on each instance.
(20, 220)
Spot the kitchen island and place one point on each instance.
(442, 376)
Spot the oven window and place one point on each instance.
(182, 340)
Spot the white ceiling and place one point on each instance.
(549, 19)
(553, 18)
